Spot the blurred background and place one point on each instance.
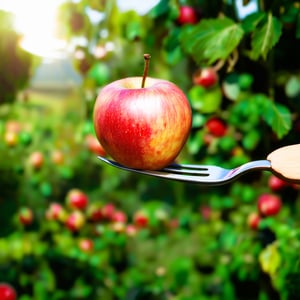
(74, 228)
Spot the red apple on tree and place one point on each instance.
(206, 77)
(187, 15)
(7, 292)
(77, 199)
(269, 204)
(75, 221)
(216, 126)
(253, 220)
(141, 122)
(25, 216)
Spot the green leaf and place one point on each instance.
(279, 118)
(251, 22)
(205, 101)
(276, 115)
(211, 39)
(265, 37)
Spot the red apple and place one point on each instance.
(119, 217)
(86, 245)
(93, 145)
(94, 212)
(25, 216)
(142, 127)
(187, 15)
(36, 159)
(55, 211)
(141, 219)
(108, 211)
(277, 184)
(269, 204)
(253, 220)
(216, 126)
(77, 199)
(75, 221)
(7, 292)
(206, 77)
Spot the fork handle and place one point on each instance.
(285, 162)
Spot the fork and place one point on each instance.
(283, 162)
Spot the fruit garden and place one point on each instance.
(72, 227)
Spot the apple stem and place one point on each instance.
(146, 68)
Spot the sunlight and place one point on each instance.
(36, 21)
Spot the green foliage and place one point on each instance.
(196, 242)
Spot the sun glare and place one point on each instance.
(36, 21)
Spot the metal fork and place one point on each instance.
(201, 174)
(284, 162)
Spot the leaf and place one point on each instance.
(265, 37)
(279, 118)
(211, 39)
(276, 115)
(270, 259)
(251, 22)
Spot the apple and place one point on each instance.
(141, 219)
(142, 123)
(108, 211)
(206, 77)
(75, 221)
(277, 184)
(93, 145)
(56, 212)
(7, 292)
(216, 126)
(269, 204)
(94, 212)
(119, 217)
(77, 199)
(187, 15)
(11, 138)
(57, 157)
(253, 220)
(25, 216)
(36, 159)
(86, 245)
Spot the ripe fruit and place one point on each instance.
(269, 204)
(86, 245)
(57, 156)
(187, 15)
(93, 145)
(140, 219)
(108, 211)
(25, 216)
(75, 221)
(7, 292)
(55, 212)
(206, 77)
(36, 159)
(276, 184)
(94, 213)
(11, 138)
(253, 220)
(142, 123)
(77, 199)
(216, 127)
(119, 217)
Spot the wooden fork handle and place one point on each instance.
(285, 162)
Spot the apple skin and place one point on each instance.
(7, 292)
(142, 128)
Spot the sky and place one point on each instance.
(35, 19)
